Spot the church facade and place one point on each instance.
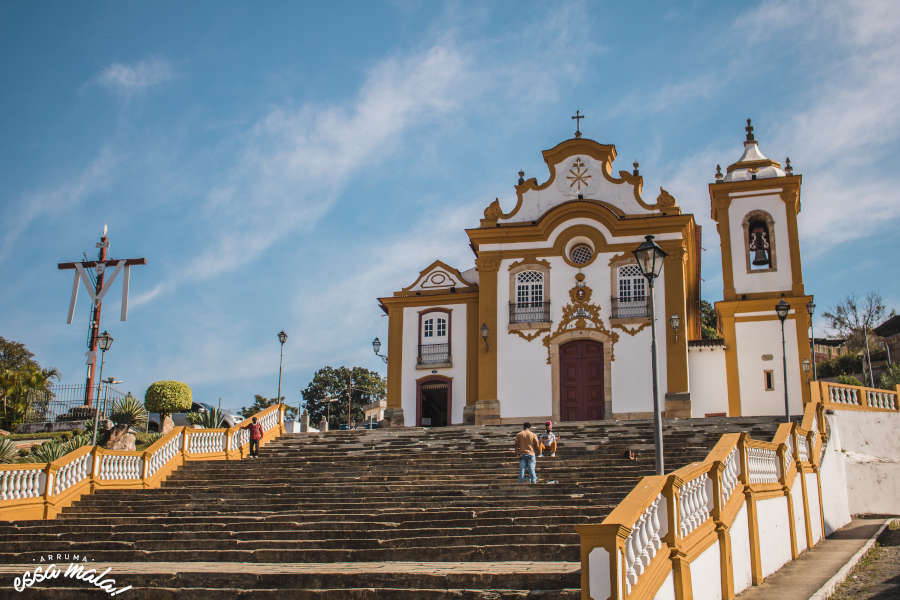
(553, 321)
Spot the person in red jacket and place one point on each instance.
(256, 434)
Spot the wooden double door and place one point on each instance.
(581, 377)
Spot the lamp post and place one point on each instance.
(811, 307)
(650, 258)
(105, 342)
(282, 337)
(376, 347)
(782, 309)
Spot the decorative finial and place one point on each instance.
(749, 129)
(719, 176)
(521, 177)
(788, 169)
(578, 116)
(636, 171)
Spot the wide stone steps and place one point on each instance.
(360, 498)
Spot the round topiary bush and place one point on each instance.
(167, 397)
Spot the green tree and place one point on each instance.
(333, 386)
(708, 321)
(260, 403)
(28, 387)
(890, 379)
(853, 319)
(14, 356)
(167, 397)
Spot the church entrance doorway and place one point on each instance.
(582, 396)
(433, 400)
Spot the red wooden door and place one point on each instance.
(582, 396)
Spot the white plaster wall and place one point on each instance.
(740, 551)
(774, 534)
(525, 378)
(780, 279)
(706, 579)
(835, 501)
(799, 513)
(708, 384)
(755, 339)
(815, 514)
(667, 590)
(870, 447)
(410, 354)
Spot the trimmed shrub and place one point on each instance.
(129, 411)
(167, 397)
(849, 380)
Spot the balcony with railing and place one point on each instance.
(529, 312)
(432, 355)
(630, 308)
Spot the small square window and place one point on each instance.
(770, 380)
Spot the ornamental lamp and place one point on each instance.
(484, 335)
(105, 341)
(376, 345)
(675, 321)
(806, 366)
(782, 309)
(282, 337)
(650, 258)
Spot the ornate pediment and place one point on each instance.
(438, 277)
(581, 169)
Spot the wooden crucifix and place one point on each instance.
(97, 289)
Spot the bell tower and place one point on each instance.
(755, 204)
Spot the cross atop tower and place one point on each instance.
(578, 116)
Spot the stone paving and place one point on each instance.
(877, 576)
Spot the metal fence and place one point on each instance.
(529, 312)
(430, 354)
(65, 402)
(628, 308)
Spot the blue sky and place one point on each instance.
(281, 165)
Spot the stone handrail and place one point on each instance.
(40, 491)
(841, 397)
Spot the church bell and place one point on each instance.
(760, 259)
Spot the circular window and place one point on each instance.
(581, 254)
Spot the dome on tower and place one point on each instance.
(752, 164)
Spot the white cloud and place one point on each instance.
(53, 200)
(133, 77)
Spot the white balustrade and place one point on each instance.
(802, 449)
(789, 451)
(206, 441)
(118, 466)
(270, 420)
(73, 473)
(730, 474)
(239, 438)
(695, 503)
(882, 399)
(763, 465)
(644, 541)
(843, 395)
(22, 483)
(164, 454)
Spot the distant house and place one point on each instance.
(889, 331)
(828, 348)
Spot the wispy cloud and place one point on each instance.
(56, 199)
(129, 78)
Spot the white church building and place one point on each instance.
(553, 321)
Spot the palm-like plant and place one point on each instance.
(77, 442)
(212, 418)
(48, 451)
(8, 451)
(129, 411)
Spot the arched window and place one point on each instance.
(759, 241)
(632, 289)
(529, 305)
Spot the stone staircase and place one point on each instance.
(404, 513)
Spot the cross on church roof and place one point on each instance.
(578, 116)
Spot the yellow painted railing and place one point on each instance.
(837, 396)
(42, 490)
(667, 522)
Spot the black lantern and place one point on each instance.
(105, 340)
(376, 347)
(282, 337)
(484, 335)
(650, 258)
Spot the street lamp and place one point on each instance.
(376, 347)
(811, 307)
(782, 309)
(105, 342)
(282, 337)
(675, 321)
(805, 366)
(485, 332)
(650, 258)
